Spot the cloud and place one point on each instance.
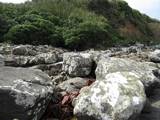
(149, 7)
(13, 1)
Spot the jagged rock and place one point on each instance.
(143, 69)
(119, 96)
(24, 50)
(44, 58)
(25, 93)
(74, 84)
(155, 56)
(77, 64)
(1, 60)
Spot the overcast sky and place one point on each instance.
(13, 1)
(149, 7)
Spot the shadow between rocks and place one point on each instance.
(152, 108)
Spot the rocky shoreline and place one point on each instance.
(47, 83)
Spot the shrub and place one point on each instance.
(86, 30)
(28, 18)
(39, 32)
(21, 34)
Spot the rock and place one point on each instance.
(155, 56)
(44, 58)
(120, 96)
(133, 49)
(1, 60)
(143, 69)
(6, 48)
(77, 64)
(98, 55)
(60, 52)
(42, 67)
(74, 84)
(59, 78)
(17, 61)
(23, 50)
(50, 69)
(25, 93)
(55, 69)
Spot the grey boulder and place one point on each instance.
(77, 64)
(24, 93)
(119, 96)
(143, 69)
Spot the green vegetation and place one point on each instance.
(74, 24)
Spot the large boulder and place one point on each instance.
(77, 64)
(143, 69)
(24, 93)
(119, 96)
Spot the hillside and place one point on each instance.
(76, 24)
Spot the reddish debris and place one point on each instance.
(90, 82)
(68, 98)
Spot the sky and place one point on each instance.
(13, 1)
(149, 7)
